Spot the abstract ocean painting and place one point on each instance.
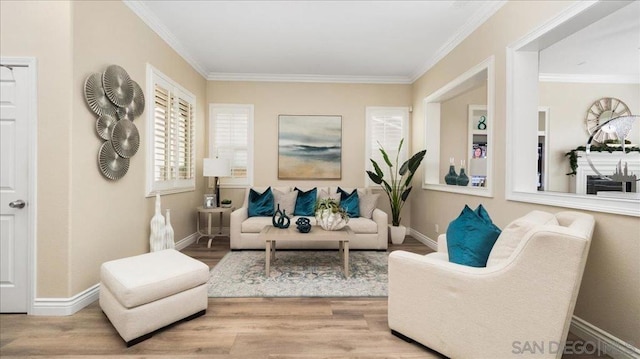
(309, 147)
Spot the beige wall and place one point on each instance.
(43, 30)
(609, 296)
(271, 99)
(568, 104)
(83, 218)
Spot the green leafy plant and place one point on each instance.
(398, 186)
(226, 201)
(332, 205)
(573, 154)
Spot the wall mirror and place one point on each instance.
(555, 79)
(459, 132)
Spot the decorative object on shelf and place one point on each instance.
(599, 112)
(111, 165)
(303, 225)
(156, 239)
(117, 100)
(209, 201)
(451, 178)
(482, 123)
(309, 147)
(169, 243)
(280, 218)
(329, 215)
(462, 179)
(216, 167)
(399, 185)
(225, 203)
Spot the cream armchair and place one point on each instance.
(525, 295)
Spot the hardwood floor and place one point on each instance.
(273, 328)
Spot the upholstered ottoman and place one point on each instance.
(144, 293)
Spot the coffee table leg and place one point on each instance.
(268, 258)
(346, 258)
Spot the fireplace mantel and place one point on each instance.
(606, 163)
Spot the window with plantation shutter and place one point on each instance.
(386, 127)
(231, 137)
(171, 135)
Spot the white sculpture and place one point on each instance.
(156, 239)
(168, 233)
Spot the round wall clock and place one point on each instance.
(600, 112)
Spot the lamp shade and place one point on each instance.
(216, 167)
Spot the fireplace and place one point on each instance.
(587, 181)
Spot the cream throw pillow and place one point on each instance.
(367, 204)
(513, 233)
(286, 200)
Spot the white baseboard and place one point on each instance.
(600, 340)
(57, 307)
(65, 306)
(424, 239)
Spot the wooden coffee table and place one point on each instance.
(271, 235)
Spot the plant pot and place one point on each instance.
(397, 234)
(330, 221)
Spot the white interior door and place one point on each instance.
(14, 189)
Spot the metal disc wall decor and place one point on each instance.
(125, 138)
(137, 105)
(117, 85)
(125, 113)
(96, 97)
(117, 100)
(111, 165)
(104, 126)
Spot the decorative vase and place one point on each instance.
(168, 233)
(462, 179)
(451, 177)
(280, 219)
(303, 224)
(156, 239)
(397, 234)
(330, 221)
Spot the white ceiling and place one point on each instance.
(320, 41)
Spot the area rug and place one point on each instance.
(299, 274)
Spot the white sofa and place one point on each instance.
(526, 294)
(369, 233)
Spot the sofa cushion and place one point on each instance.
(256, 224)
(306, 202)
(470, 237)
(513, 233)
(260, 204)
(362, 225)
(368, 203)
(326, 194)
(350, 202)
(286, 200)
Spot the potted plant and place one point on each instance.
(226, 203)
(397, 187)
(329, 215)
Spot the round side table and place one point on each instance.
(209, 212)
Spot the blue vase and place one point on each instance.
(451, 177)
(280, 219)
(462, 179)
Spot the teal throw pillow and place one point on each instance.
(470, 237)
(350, 202)
(306, 202)
(260, 204)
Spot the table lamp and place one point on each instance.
(216, 167)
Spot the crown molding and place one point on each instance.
(216, 76)
(143, 12)
(469, 27)
(590, 78)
